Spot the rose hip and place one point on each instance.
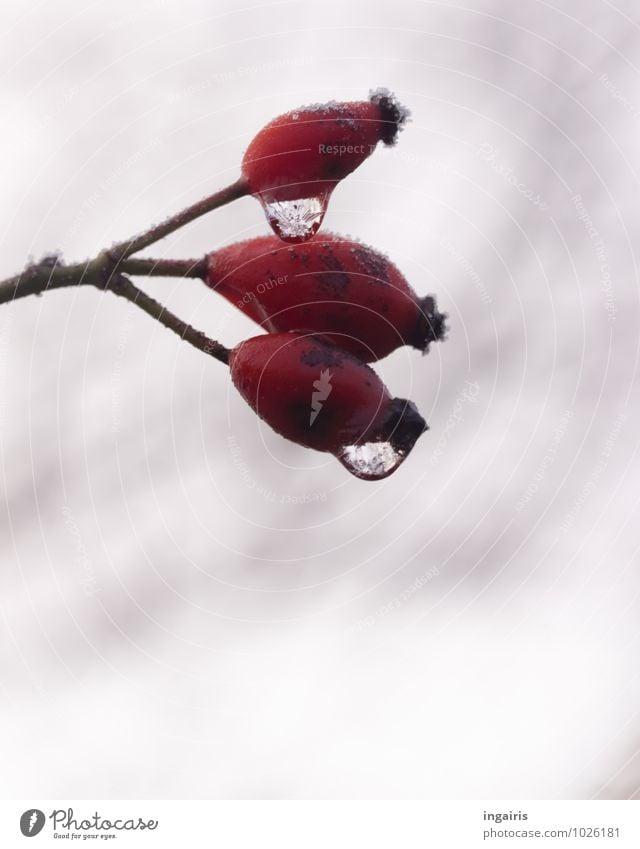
(321, 397)
(330, 285)
(296, 161)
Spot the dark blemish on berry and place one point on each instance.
(334, 281)
(322, 356)
(338, 278)
(330, 260)
(333, 168)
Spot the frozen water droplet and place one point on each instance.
(295, 220)
(371, 461)
(295, 116)
(375, 460)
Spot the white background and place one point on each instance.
(180, 619)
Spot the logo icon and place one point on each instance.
(32, 822)
(323, 389)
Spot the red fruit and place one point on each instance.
(328, 285)
(296, 161)
(321, 397)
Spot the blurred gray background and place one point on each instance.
(192, 606)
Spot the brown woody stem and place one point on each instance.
(52, 274)
(148, 267)
(121, 285)
(107, 271)
(236, 190)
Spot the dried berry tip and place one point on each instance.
(404, 425)
(437, 321)
(431, 325)
(394, 115)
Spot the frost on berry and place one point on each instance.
(331, 285)
(317, 395)
(295, 162)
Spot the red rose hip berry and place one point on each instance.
(296, 161)
(321, 397)
(330, 285)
